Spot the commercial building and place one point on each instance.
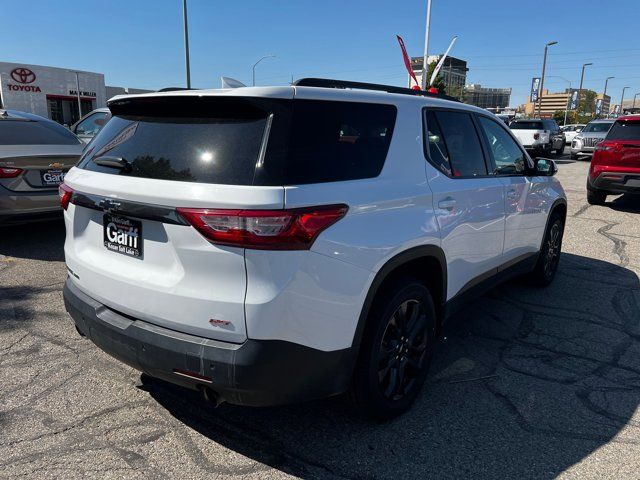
(53, 92)
(553, 102)
(453, 72)
(489, 98)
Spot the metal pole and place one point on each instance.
(580, 89)
(186, 43)
(78, 96)
(622, 99)
(544, 67)
(254, 68)
(634, 100)
(606, 82)
(425, 64)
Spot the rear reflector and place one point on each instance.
(6, 172)
(65, 192)
(293, 229)
(187, 373)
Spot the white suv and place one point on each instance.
(272, 245)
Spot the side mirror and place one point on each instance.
(545, 167)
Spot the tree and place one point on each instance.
(558, 116)
(439, 81)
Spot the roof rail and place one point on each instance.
(175, 89)
(330, 83)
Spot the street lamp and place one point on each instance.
(566, 107)
(77, 92)
(254, 67)
(186, 42)
(580, 89)
(604, 94)
(622, 99)
(544, 66)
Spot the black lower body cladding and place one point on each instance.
(254, 373)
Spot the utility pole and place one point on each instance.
(580, 89)
(186, 42)
(544, 66)
(604, 94)
(634, 100)
(254, 68)
(425, 63)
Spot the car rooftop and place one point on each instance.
(18, 115)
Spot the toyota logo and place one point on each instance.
(23, 75)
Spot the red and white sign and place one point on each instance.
(23, 76)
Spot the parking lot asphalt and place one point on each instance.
(527, 383)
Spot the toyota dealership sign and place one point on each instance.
(23, 78)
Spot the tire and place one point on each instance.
(547, 265)
(596, 197)
(396, 349)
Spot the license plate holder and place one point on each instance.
(123, 235)
(52, 177)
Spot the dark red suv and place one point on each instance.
(615, 166)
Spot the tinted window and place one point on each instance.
(597, 127)
(506, 154)
(26, 132)
(92, 124)
(436, 148)
(334, 141)
(463, 144)
(625, 130)
(208, 150)
(523, 125)
(550, 124)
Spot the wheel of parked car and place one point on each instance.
(396, 349)
(560, 151)
(596, 197)
(549, 257)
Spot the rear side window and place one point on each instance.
(27, 132)
(624, 130)
(335, 141)
(437, 149)
(462, 142)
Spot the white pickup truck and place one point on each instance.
(539, 135)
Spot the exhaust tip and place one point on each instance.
(211, 396)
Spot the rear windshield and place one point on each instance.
(625, 130)
(526, 126)
(600, 127)
(242, 141)
(28, 132)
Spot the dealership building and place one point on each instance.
(53, 92)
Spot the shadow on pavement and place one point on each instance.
(526, 383)
(626, 203)
(36, 241)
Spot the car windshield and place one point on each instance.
(527, 126)
(597, 127)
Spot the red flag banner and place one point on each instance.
(407, 61)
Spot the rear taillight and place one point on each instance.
(6, 172)
(536, 136)
(605, 147)
(65, 192)
(293, 229)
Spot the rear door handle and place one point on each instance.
(447, 203)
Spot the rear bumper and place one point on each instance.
(614, 182)
(25, 206)
(255, 373)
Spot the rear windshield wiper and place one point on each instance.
(113, 162)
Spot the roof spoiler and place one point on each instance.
(331, 83)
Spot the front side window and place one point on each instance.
(92, 125)
(462, 142)
(507, 156)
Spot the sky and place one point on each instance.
(139, 43)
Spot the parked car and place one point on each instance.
(615, 166)
(88, 126)
(35, 154)
(540, 136)
(571, 130)
(276, 244)
(593, 133)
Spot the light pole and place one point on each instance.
(425, 65)
(622, 99)
(634, 100)
(186, 42)
(254, 67)
(604, 94)
(581, 80)
(566, 107)
(77, 92)
(544, 66)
